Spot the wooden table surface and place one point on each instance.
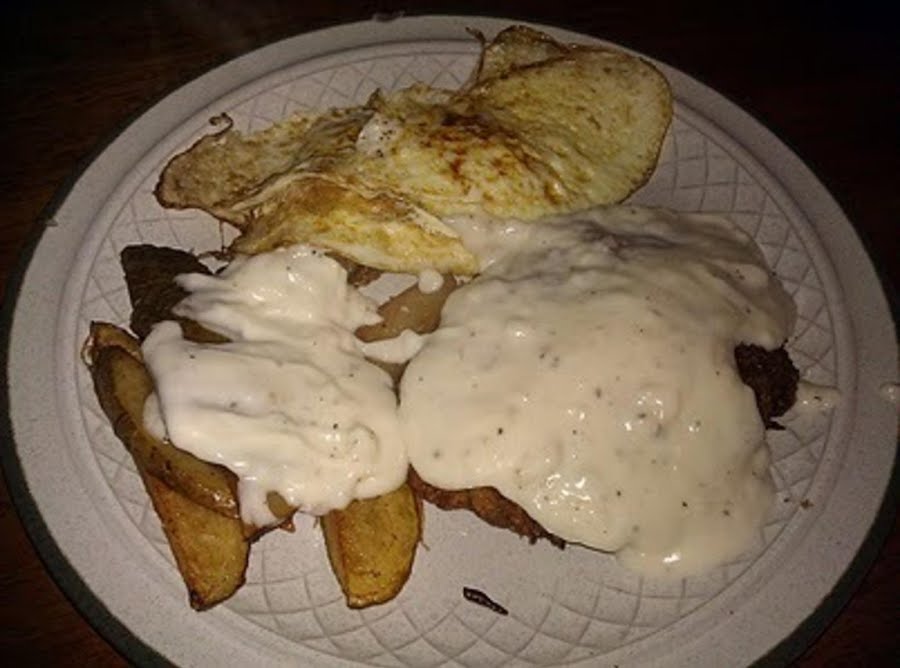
(825, 81)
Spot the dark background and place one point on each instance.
(825, 77)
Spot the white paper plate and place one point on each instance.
(86, 509)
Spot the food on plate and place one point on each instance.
(123, 385)
(773, 378)
(150, 275)
(194, 500)
(210, 549)
(289, 402)
(769, 373)
(124, 388)
(412, 309)
(588, 375)
(575, 366)
(371, 544)
(542, 128)
(488, 504)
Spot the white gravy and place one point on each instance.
(588, 374)
(815, 398)
(290, 404)
(430, 281)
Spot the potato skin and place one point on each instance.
(211, 550)
(411, 309)
(371, 545)
(123, 384)
(194, 500)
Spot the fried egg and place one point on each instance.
(541, 128)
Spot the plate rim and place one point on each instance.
(91, 607)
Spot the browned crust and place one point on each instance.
(772, 377)
(165, 185)
(486, 502)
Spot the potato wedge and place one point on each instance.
(195, 501)
(150, 273)
(210, 549)
(410, 309)
(371, 545)
(123, 385)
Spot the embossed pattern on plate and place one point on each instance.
(565, 606)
